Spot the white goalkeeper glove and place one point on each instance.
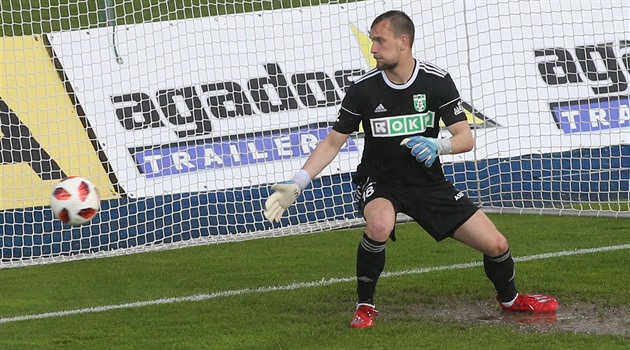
(285, 195)
(426, 149)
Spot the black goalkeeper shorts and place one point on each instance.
(440, 210)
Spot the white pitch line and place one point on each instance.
(300, 285)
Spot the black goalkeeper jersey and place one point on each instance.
(390, 112)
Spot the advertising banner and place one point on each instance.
(206, 104)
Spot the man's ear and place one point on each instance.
(405, 41)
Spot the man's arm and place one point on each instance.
(462, 138)
(324, 153)
(288, 191)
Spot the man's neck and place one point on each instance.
(403, 71)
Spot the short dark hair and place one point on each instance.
(401, 23)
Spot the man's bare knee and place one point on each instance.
(498, 246)
(379, 230)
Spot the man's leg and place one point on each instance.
(380, 217)
(480, 233)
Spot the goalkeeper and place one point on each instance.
(400, 104)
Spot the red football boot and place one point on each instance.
(364, 316)
(532, 303)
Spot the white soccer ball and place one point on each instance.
(75, 200)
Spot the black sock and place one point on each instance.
(370, 265)
(500, 270)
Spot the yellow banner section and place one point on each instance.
(41, 136)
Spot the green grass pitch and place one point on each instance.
(298, 292)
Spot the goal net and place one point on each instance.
(184, 113)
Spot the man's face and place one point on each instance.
(386, 46)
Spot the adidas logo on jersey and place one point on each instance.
(458, 109)
(380, 109)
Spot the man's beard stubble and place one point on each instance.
(385, 66)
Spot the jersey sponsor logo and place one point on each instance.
(402, 125)
(420, 102)
(458, 196)
(380, 109)
(600, 66)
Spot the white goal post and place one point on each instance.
(184, 115)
